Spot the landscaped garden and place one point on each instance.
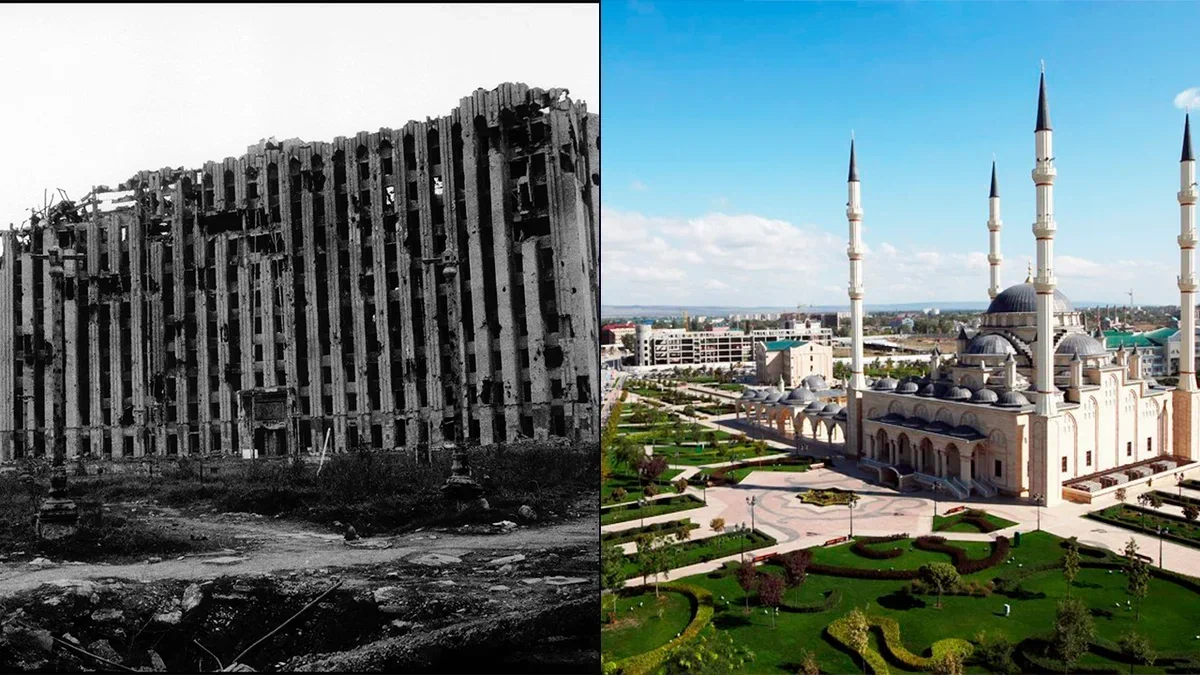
(1148, 521)
(668, 528)
(610, 515)
(624, 484)
(696, 455)
(642, 622)
(970, 520)
(830, 598)
(736, 473)
(702, 550)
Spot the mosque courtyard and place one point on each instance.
(1001, 571)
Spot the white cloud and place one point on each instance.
(746, 259)
(637, 186)
(1188, 98)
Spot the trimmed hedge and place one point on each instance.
(648, 662)
(838, 630)
(961, 560)
(1135, 526)
(860, 547)
(890, 629)
(861, 573)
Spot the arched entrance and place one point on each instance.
(953, 465)
(928, 457)
(904, 453)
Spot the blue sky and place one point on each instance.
(726, 130)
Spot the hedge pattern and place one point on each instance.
(626, 536)
(862, 544)
(890, 629)
(648, 662)
(961, 560)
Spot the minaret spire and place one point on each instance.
(1187, 270)
(1186, 156)
(993, 225)
(854, 252)
(1046, 478)
(1043, 114)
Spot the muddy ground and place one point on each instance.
(509, 597)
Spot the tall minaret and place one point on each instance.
(1187, 396)
(993, 224)
(854, 252)
(1044, 467)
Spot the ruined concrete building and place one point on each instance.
(380, 289)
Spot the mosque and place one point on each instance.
(1031, 405)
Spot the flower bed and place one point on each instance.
(667, 528)
(828, 497)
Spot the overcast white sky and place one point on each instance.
(93, 94)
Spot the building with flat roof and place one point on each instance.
(790, 361)
(716, 348)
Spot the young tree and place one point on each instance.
(1138, 584)
(1137, 648)
(858, 631)
(644, 557)
(1073, 631)
(795, 563)
(717, 524)
(1191, 512)
(612, 572)
(1121, 495)
(941, 576)
(809, 665)
(1070, 564)
(650, 468)
(747, 578)
(951, 663)
(770, 593)
(1151, 500)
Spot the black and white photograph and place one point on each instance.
(299, 338)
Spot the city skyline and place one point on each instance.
(737, 199)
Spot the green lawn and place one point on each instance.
(780, 649)
(738, 475)
(842, 555)
(689, 455)
(657, 507)
(628, 480)
(955, 523)
(709, 548)
(638, 627)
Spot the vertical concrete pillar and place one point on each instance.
(334, 277)
(8, 260)
(118, 333)
(184, 358)
(95, 396)
(358, 307)
(31, 338)
(138, 335)
(510, 368)
(156, 373)
(316, 383)
(221, 295)
(434, 412)
(51, 383)
(202, 290)
(376, 186)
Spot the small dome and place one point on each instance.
(984, 396)
(907, 387)
(964, 430)
(773, 396)
(1012, 399)
(801, 395)
(915, 422)
(748, 393)
(1081, 345)
(927, 391)
(841, 413)
(816, 383)
(830, 409)
(989, 345)
(885, 384)
(814, 407)
(957, 394)
(1023, 298)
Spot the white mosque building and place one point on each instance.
(1032, 405)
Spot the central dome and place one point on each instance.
(1023, 298)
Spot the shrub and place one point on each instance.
(995, 653)
(650, 490)
(619, 494)
(795, 565)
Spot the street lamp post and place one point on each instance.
(741, 528)
(851, 505)
(751, 501)
(1039, 500)
(1161, 531)
(937, 487)
(1179, 482)
(642, 507)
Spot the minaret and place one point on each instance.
(1044, 468)
(993, 224)
(854, 252)
(1186, 395)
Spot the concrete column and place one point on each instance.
(137, 330)
(379, 243)
(225, 387)
(117, 335)
(474, 169)
(358, 307)
(185, 358)
(510, 368)
(8, 242)
(158, 348)
(316, 383)
(333, 309)
(964, 466)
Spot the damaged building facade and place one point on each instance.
(393, 289)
